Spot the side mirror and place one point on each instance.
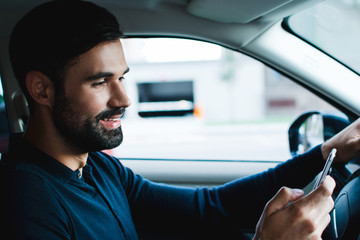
(313, 128)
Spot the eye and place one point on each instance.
(121, 78)
(98, 83)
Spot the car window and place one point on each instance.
(4, 126)
(199, 101)
(332, 26)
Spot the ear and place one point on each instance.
(40, 88)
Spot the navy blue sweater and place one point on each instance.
(44, 199)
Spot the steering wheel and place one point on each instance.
(345, 217)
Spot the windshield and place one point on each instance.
(334, 27)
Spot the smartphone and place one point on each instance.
(326, 169)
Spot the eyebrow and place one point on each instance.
(103, 75)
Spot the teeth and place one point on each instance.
(111, 119)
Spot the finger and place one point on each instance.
(283, 198)
(312, 215)
(324, 223)
(320, 199)
(321, 227)
(325, 189)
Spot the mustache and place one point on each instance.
(110, 113)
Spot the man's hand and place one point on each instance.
(289, 216)
(347, 143)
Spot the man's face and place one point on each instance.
(87, 113)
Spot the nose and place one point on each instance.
(118, 96)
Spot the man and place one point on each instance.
(69, 61)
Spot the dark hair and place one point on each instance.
(51, 35)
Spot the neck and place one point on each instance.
(44, 136)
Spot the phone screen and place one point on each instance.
(326, 169)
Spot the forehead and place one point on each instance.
(104, 57)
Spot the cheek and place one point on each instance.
(92, 103)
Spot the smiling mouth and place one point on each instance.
(111, 119)
(111, 122)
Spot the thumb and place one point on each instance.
(284, 196)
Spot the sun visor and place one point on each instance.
(237, 11)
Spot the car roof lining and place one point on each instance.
(170, 17)
(248, 10)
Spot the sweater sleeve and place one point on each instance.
(234, 206)
(247, 197)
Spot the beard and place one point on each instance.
(84, 131)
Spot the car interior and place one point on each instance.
(266, 65)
